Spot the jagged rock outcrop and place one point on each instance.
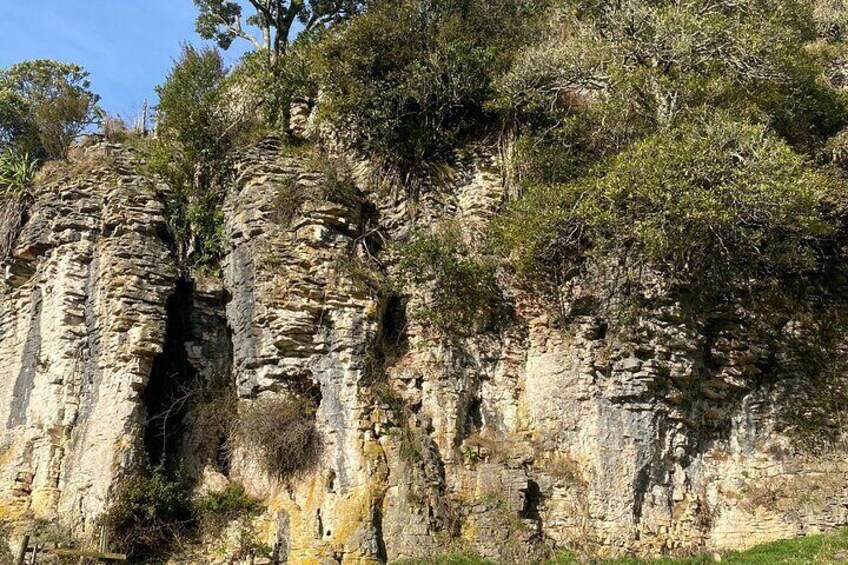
(83, 316)
(673, 437)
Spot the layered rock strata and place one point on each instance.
(673, 437)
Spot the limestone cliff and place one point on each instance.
(675, 437)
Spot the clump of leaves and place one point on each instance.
(721, 209)
(216, 509)
(461, 289)
(16, 173)
(408, 80)
(281, 434)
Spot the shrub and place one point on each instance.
(336, 185)
(281, 434)
(215, 510)
(463, 293)
(721, 209)
(150, 514)
(408, 81)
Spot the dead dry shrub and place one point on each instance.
(280, 432)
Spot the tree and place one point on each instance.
(222, 21)
(190, 152)
(409, 80)
(51, 97)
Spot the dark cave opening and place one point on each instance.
(172, 383)
(532, 500)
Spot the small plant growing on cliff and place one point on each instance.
(462, 289)
(16, 173)
(216, 509)
(281, 434)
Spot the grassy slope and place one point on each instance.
(817, 550)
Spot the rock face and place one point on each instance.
(83, 316)
(674, 437)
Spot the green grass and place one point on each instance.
(813, 550)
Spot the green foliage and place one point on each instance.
(831, 17)
(48, 100)
(18, 131)
(189, 111)
(818, 549)
(16, 173)
(720, 209)
(191, 153)
(150, 514)
(216, 509)
(336, 185)
(821, 549)
(153, 513)
(408, 80)
(463, 293)
(610, 73)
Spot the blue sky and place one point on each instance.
(127, 45)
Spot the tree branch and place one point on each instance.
(236, 29)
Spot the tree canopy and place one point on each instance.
(224, 21)
(45, 105)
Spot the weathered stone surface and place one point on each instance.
(673, 437)
(78, 335)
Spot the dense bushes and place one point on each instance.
(191, 152)
(611, 73)
(155, 513)
(151, 514)
(408, 81)
(719, 208)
